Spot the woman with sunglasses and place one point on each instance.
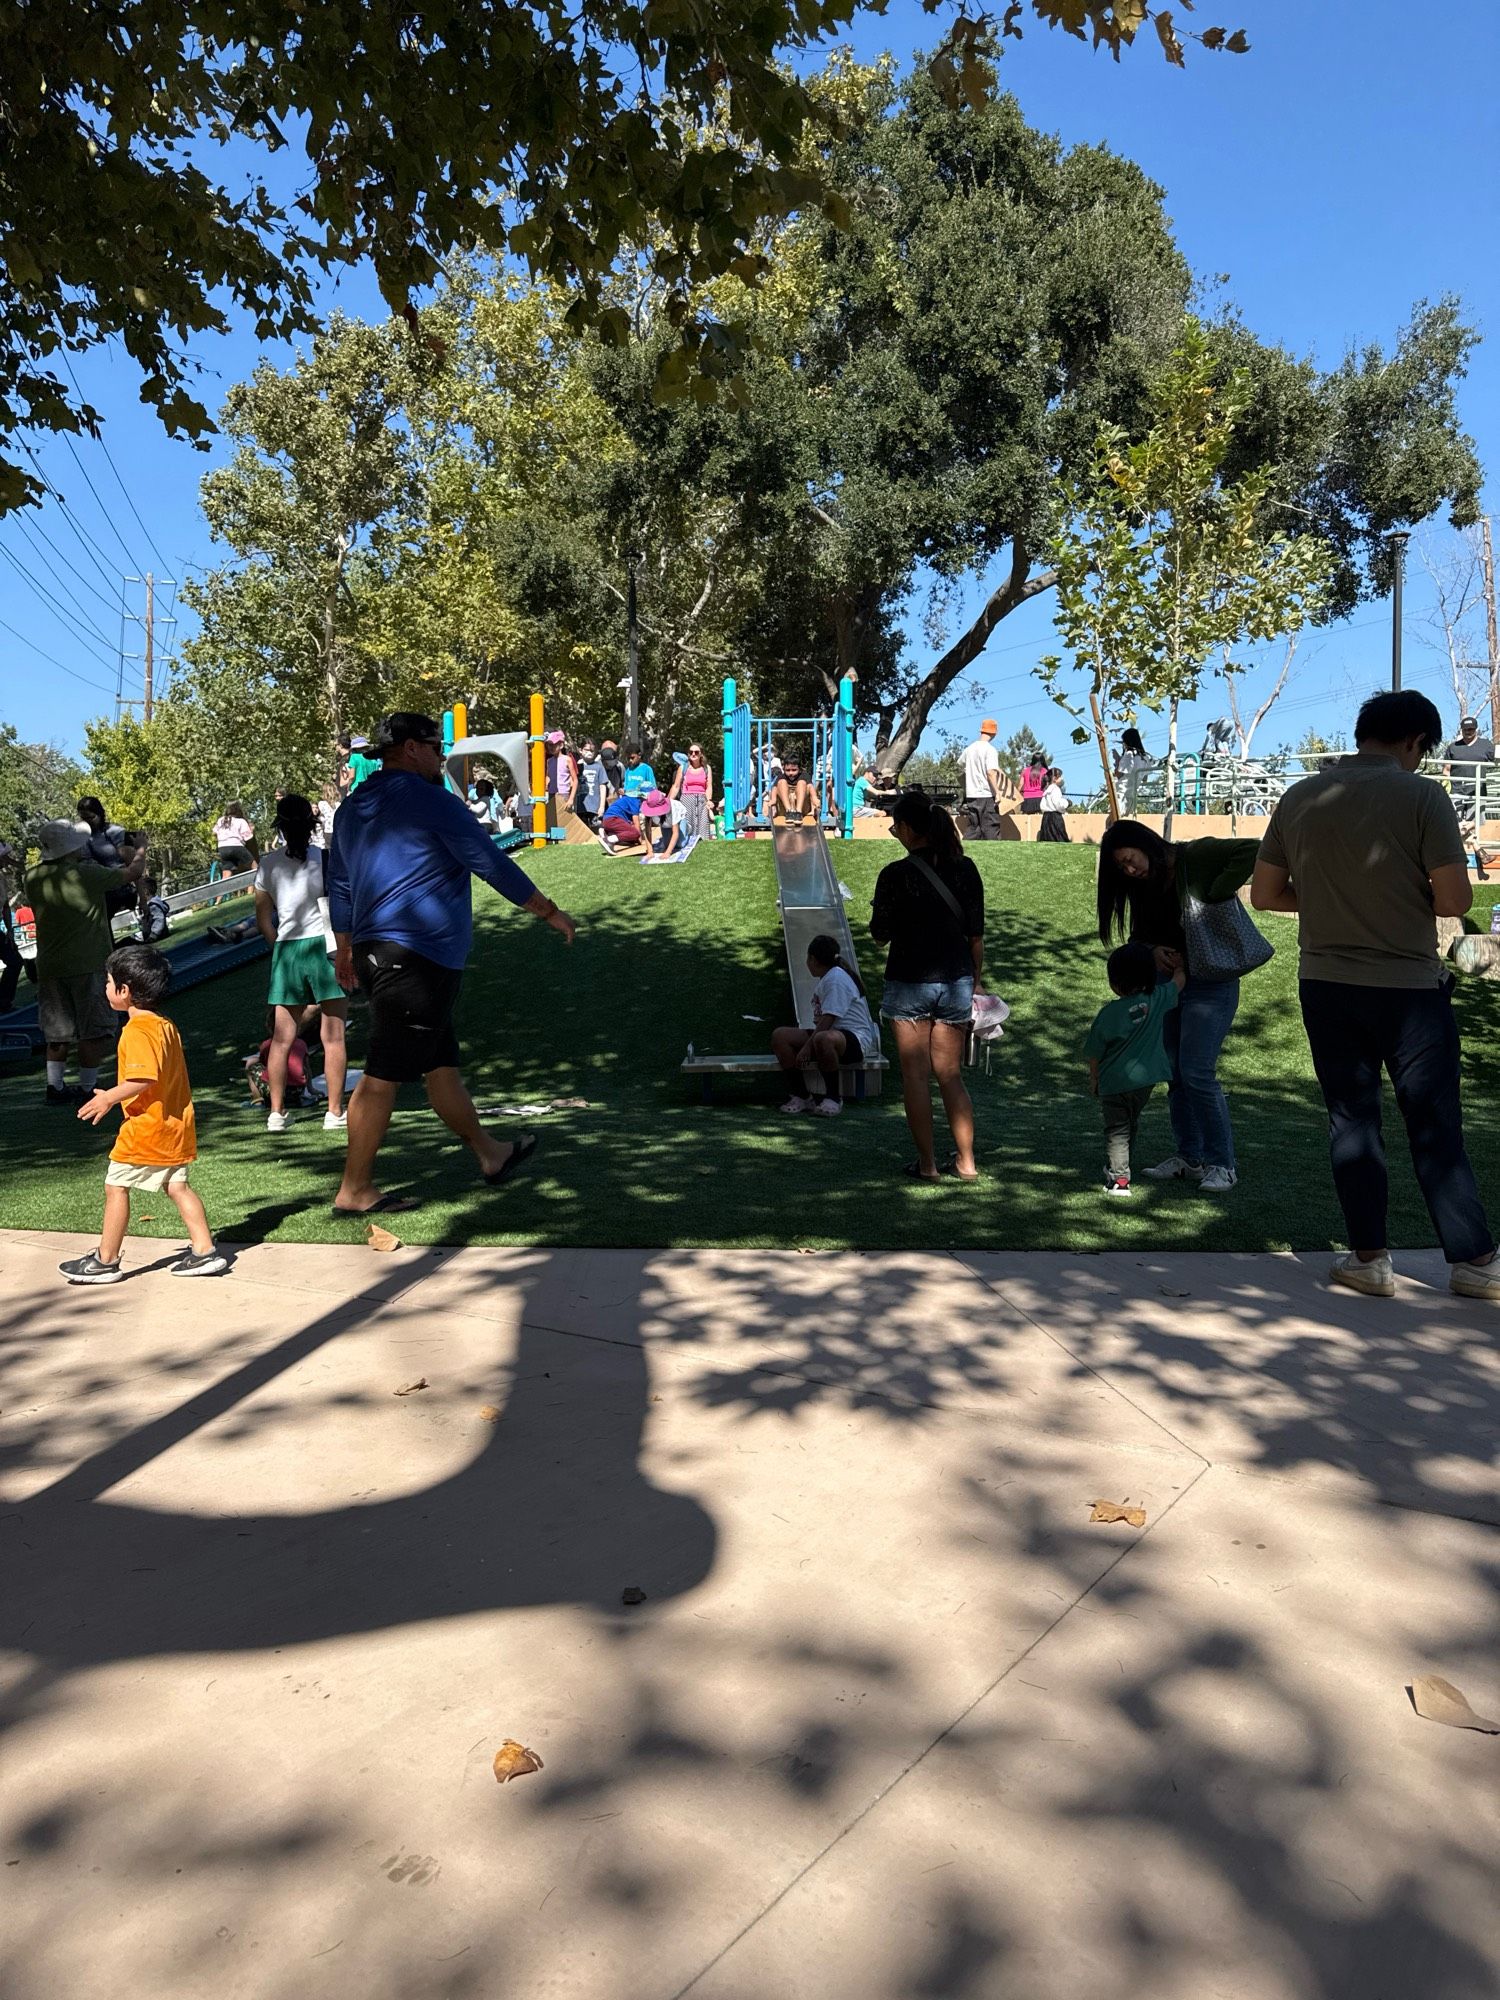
(694, 786)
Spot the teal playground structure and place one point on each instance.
(747, 742)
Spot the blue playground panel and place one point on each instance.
(746, 737)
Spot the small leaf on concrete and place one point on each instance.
(1438, 1700)
(411, 1387)
(1112, 1510)
(490, 1413)
(381, 1239)
(514, 1760)
(633, 1594)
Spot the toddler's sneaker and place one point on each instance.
(67, 1093)
(212, 1264)
(827, 1107)
(277, 1121)
(1118, 1189)
(335, 1121)
(1218, 1180)
(1176, 1168)
(1475, 1281)
(795, 1103)
(91, 1270)
(1377, 1279)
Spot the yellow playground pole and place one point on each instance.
(460, 733)
(538, 773)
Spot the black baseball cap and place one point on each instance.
(404, 725)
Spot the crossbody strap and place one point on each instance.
(954, 907)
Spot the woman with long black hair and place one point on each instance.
(929, 909)
(1143, 884)
(291, 908)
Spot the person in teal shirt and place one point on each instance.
(1127, 1056)
(639, 776)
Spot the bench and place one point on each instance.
(856, 1082)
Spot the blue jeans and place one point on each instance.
(1354, 1032)
(1193, 1035)
(950, 1001)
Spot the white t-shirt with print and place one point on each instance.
(979, 760)
(296, 888)
(837, 996)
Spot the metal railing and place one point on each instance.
(1249, 787)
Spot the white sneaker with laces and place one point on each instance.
(277, 1121)
(1175, 1168)
(335, 1121)
(1475, 1281)
(1218, 1180)
(795, 1103)
(1376, 1279)
(827, 1107)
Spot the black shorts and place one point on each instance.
(411, 1011)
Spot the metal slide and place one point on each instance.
(807, 894)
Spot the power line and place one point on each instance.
(109, 519)
(110, 457)
(71, 608)
(87, 635)
(85, 540)
(52, 660)
(23, 519)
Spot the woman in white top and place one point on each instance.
(1131, 765)
(291, 908)
(1054, 824)
(234, 836)
(842, 1035)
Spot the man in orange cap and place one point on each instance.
(983, 781)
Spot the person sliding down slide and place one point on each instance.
(399, 901)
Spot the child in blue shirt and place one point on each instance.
(1125, 1052)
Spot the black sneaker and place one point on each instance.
(91, 1270)
(67, 1093)
(212, 1264)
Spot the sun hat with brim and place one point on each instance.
(654, 805)
(58, 838)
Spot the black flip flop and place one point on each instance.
(950, 1170)
(388, 1204)
(520, 1152)
(913, 1172)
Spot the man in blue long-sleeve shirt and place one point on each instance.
(403, 851)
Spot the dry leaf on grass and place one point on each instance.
(1438, 1700)
(420, 1383)
(514, 1760)
(1111, 1510)
(381, 1239)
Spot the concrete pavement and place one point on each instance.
(894, 1719)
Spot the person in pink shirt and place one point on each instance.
(694, 785)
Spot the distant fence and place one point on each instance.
(1249, 787)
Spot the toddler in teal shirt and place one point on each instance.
(1125, 1053)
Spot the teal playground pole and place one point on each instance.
(846, 710)
(731, 803)
(447, 747)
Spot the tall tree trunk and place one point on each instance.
(1101, 737)
(1166, 819)
(924, 697)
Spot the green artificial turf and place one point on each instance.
(669, 956)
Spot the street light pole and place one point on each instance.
(1398, 542)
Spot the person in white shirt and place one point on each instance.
(234, 836)
(843, 1035)
(1054, 824)
(983, 783)
(291, 910)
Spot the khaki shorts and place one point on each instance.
(150, 1180)
(75, 1010)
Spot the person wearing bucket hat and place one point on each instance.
(656, 818)
(70, 893)
(983, 784)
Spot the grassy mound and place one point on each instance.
(669, 956)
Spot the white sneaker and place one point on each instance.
(1475, 1281)
(1174, 1169)
(828, 1107)
(1118, 1190)
(335, 1121)
(795, 1103)
(278, 1121)
(1377, 1279)
(1218, 1180)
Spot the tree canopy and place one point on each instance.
(137, 202)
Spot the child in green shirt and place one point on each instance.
(1125, 1053)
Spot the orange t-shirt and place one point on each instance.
(158, 1130)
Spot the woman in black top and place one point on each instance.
(929, 909)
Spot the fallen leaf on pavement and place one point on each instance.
(1440, 1701)
(490, 1413)
(421, 1383)
(633, 1594)
(381, 1239)
(514, 1760)
(1168, 1293)
(1111, 1510)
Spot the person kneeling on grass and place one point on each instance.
(1127, 1057)
(842, 1032)
(157, 1141)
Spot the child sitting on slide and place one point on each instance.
(842, 1032)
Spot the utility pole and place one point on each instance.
(1398, 542)
(1491, 631)
(150, 644)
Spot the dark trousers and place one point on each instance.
(1354, 1033)
(1122, 1117)
(980, 819)
(10, 965)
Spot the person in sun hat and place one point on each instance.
(983, 784)
(661, 835)
(70, 893)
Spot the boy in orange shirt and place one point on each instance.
(157, 1139)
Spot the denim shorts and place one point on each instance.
(947, 1000)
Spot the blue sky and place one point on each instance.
(1335, 175)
